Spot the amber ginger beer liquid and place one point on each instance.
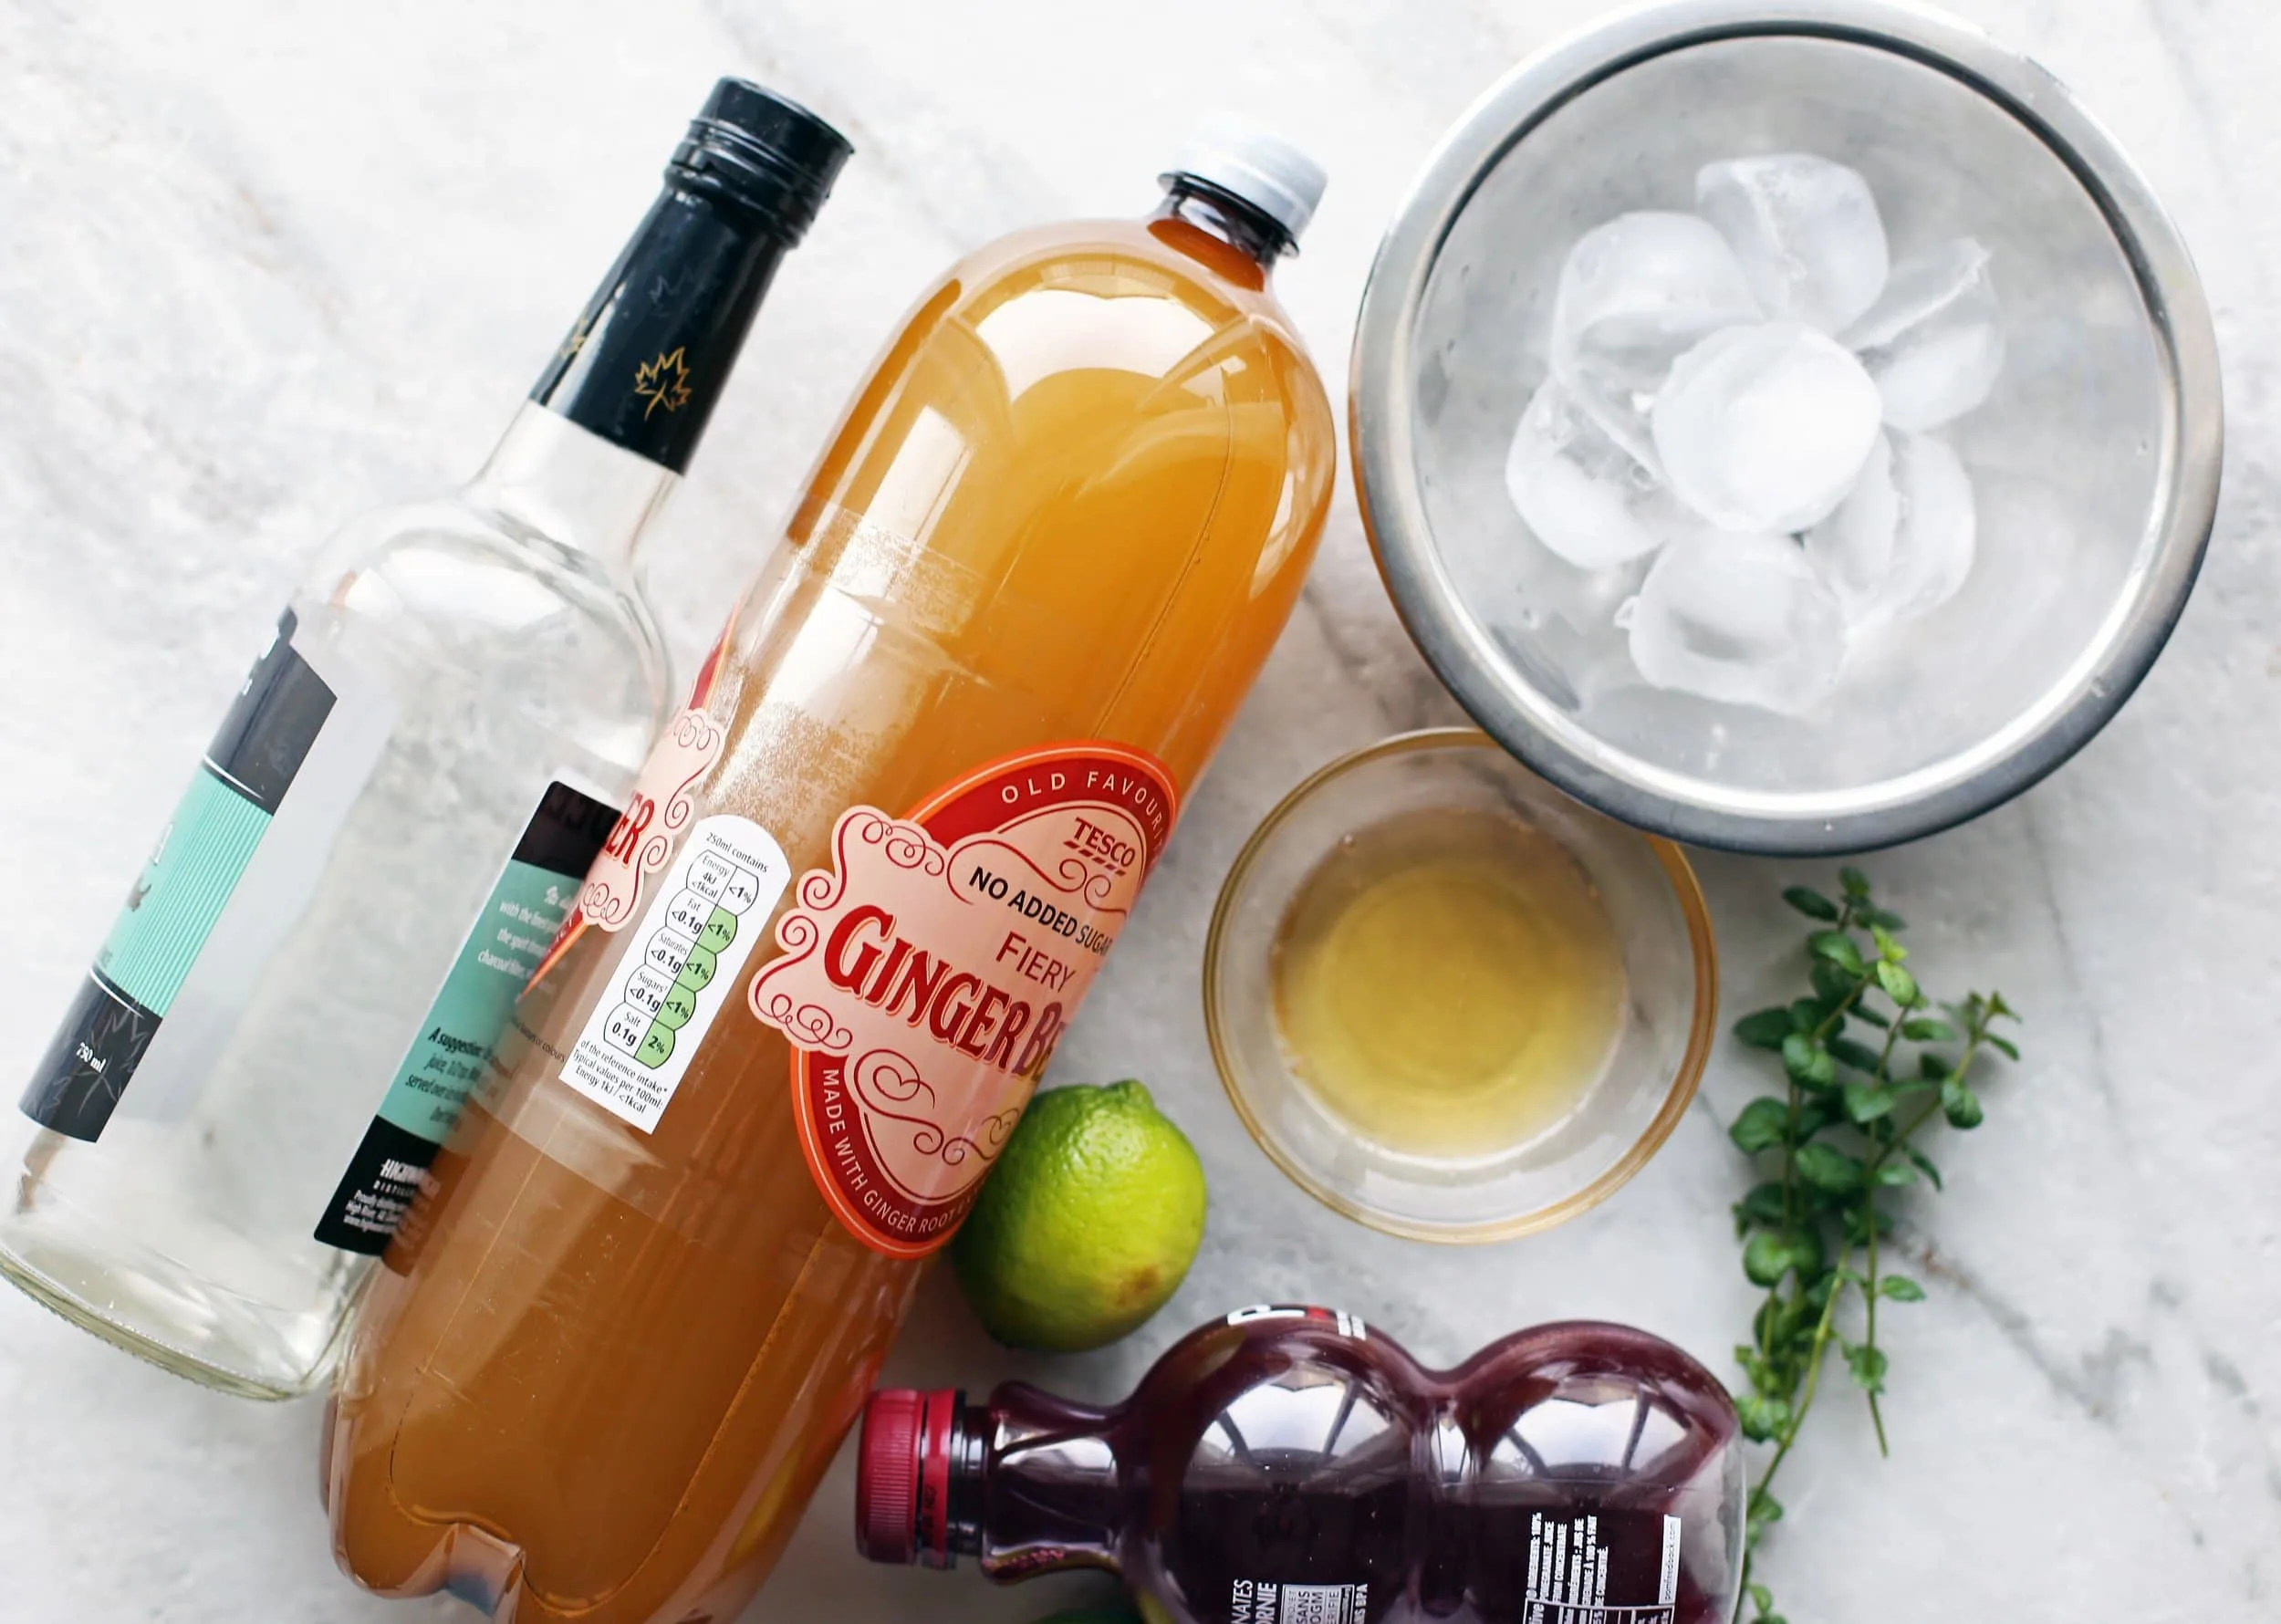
(860, 890)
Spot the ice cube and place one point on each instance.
(1852, 549)
(1585, 497)
(1902, 543)
(1738, 617)
(1636, 294)
(1934, 341)
(1764, 428)
(1806, 232)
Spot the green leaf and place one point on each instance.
(1765, 1029)
(1763, 1507)
(1884, 918)
(2010, 1050)
(1764, 1124)
(1808, 1062)
(1887, 948)
(1855, 883)
(1826, 1199)
(1998, 1008)
(1959, 1104)
(1934, 1067)
(1899, 985)
(1762, 1207)
(1894, 1174)
(1827, 1168)
(1761, 1598)
(1763, 1420)
(1924, 1165)
(1839, 948)
(1856, 1229)
(1900, 1289)
(1867, 1104)
(1766, 1258)
(1925, 1029)
(1859, 1056)
(1832, 985)
(1869, 1366)
(1808, 1256)
(1807, 1014)
(1811, 903)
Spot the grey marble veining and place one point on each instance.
(262, 265)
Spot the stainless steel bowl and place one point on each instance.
(2096, 459)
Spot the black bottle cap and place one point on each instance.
(649, 356)
(762, 152)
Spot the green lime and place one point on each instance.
(1088, 1223)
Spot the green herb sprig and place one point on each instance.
(1839, 1147)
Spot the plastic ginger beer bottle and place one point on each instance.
(857, 893)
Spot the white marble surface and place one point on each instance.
(264, 264)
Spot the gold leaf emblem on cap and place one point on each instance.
(662, 383)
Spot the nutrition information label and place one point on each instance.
(683, 961)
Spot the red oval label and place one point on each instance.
(929, 972)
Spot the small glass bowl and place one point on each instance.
(1665, 1029)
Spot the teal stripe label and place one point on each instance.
(182, 892)
(517, 924)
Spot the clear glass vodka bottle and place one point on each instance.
(388, 827)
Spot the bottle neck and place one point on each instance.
(646, 362)
(550, 479)
(592, 456)
(1034, 1485)
(1226, 218)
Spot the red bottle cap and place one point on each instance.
(903, 1476)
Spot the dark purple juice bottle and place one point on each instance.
(1292, 1466)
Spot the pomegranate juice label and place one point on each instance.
(1261, 1601)
(928, 972)
(1609, 1567)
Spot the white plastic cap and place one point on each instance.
(1266, 171)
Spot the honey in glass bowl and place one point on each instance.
(1449, 1002)
(1447, 982)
